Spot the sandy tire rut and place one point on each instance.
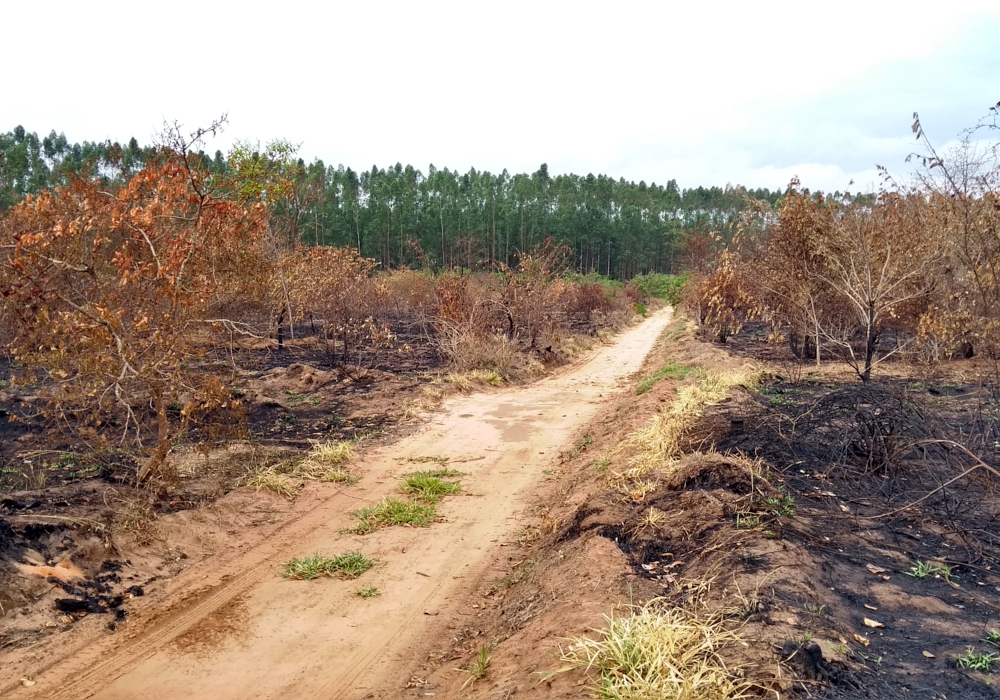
(241, 631)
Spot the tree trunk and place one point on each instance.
(158, 458)
(357, 227)
(871, 343)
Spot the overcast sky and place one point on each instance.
(704, 93)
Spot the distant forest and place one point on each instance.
(403, 217)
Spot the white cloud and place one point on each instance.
(702, 93)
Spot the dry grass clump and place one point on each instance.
(659, 444)
(662, 441)
(478, 377)
(282, 475)
(325, 462)
(268, 471)
(132, 513)
(575, 344)
(468, 352)
(660, 652)
(270, 479)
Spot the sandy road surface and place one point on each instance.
(247, 633)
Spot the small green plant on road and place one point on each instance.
(392, 511)
(350, 565)
(430, 486)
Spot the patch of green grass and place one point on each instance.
(350, 565)
(370, 592)
(993, 639)
(581, 445)
(340, 476)
(429, 486)
(490, 377)
(671, 370)
(782, 506)
(297, 399)
(975, 661)
(443, 473)
(815, 609)
(921, 569)
(392, 511)
(602, 463)
(518, 575)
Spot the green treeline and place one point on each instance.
(402, 216)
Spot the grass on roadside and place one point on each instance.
(671, 370)
(350, 565)
(430, 486)
(468, 380)
(392, 511)
(479, 666)
(267, 470)
(277, 473)
(662, 441)
(326, 460)
(659, 651)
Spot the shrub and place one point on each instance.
(660, 286)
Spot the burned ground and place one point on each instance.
(841, 528)
(65, 500)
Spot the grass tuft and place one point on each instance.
(350, 565)
(270, 479)
(659, 651)
(976, 661)
(430, 486)
(326, 460)
(922, 569)
(392, 511)
(479, 666)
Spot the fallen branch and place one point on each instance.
(980, 464)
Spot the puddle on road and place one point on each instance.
(510, 410)
(511, 431)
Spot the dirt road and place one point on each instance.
(244, 632)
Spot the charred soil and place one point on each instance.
(844, 532)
